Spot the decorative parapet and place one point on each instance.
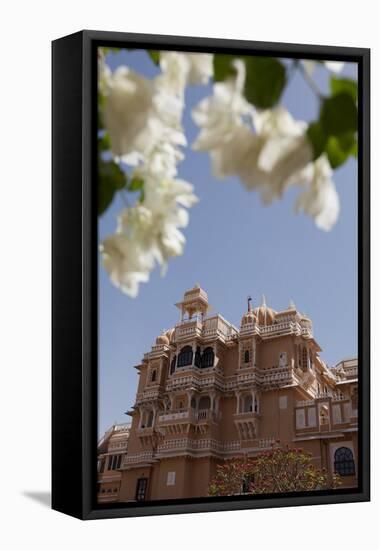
(209, 328)
(122, 427)
(198, 445)
(148, 395)
(267, 442)
(173, 416)
(188, 416)
(137, 458)
(268, 378)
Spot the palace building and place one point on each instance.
(111, 451)
(209, 392)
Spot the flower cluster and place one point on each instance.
(143, 120)
(268, 150)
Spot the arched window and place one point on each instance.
(304, 359)
(185, 356)
(247, 356)
(208, 358)
(344, 462)
(153, 375)
(256, 404)
(324, 416)
(204, 402)
(173, 365)
(198, 357)
(149, 421)
(248, 404)
(180, 404)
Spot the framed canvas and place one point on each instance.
(190, 171)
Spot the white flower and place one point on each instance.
(264, 159)
(154, 224)
(220, 115)
(320, 200)
(126, 264)
(334, 66)
(201, 68)
(148, 233)
(179, 69)
(143, 119)
(127, 108)
(283, 150)
(175, 69)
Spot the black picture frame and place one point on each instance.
(74, 273)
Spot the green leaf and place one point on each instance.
(340, 148)
(104, 142)
(154, 56)
(223, 67)
(346, 85)
(265, 81)
(136, 184)
(318, 138)
(100, 106)
(110, 180)
(339, 114)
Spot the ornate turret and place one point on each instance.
(195, 303)
(249, 317)
(162, 340)
(265, 315)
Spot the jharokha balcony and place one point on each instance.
(176, 422)
(325, 414)
(183, 421)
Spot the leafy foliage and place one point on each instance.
(265, 81)
(265, 77)
(279, 470)
(154, 56)
(335, 133)
(346, 85)
(339, 114)
(110, 180)
(223, 67)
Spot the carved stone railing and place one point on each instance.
(144, 456)
(170, 416)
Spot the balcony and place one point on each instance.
(144, 457)
(208, 328)
(326, 413)
(174, 416)
(180, 421)
(247, 424)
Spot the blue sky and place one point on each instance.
(235, 247)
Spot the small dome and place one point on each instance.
(248, 318)
(265, 315)
(169, 334)
(162, 340)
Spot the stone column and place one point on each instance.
(189, 398)
(212, 397)
(238, 402)
(141, 417)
